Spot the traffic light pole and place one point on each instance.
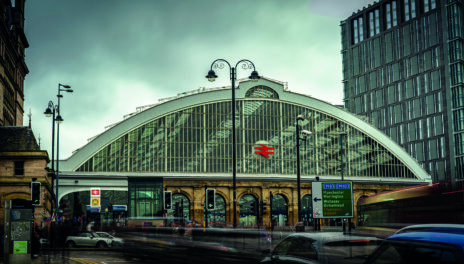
(206, 207)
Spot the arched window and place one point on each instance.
(261, 91)
(307, 210)
(217, 216)
(181, 200)
(279, 210)
(247, 216)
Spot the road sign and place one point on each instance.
(332, 199)
(95, 202)
(95, 192)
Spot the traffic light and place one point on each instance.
(35, 193)
(263, 207)
(253, 208)
(210, 199)
(167, 200)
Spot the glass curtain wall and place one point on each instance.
(146, 197)
(198, 140)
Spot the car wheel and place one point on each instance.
(101, 244)
(70, 244)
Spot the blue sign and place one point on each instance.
(119, 208)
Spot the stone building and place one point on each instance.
(21, 162)
(13, 68)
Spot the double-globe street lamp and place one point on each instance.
(246, 64)
(305, 133)
(54, 111)
(342, 142)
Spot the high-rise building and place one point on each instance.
(13, 69)
(403, 70)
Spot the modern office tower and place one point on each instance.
(403, 70)
(13, 68)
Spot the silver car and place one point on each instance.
(322, 247)
(116, 241)
(87, 239)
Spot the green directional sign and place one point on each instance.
(333, 199)
(19, 247)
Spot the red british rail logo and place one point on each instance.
(264, 150)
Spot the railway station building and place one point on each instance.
(184, 145)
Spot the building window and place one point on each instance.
(374, 23)
(455, 50)
(459, 143)
(391, 16)
(262, 92)
(458, 117)
(429, 5)
(358, 35)
(456, 73)
(19, 168)
(409, 9)
(458, 96)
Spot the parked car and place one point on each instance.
(433, 244)
(87, 239)
(116, 241)
(325, 247)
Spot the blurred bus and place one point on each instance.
(384, 213)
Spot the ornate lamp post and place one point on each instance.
(51, 110)
(246, 64)
(305, 133)
(342, 141)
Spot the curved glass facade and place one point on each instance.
(198, 140)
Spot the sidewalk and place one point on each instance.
(51, 257)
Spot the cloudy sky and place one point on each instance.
(120, 54)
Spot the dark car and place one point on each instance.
(325, 247)
(430, 245)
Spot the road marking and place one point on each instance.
(85, 261)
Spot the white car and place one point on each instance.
(116, 241)
(87, 239)
(321, 248)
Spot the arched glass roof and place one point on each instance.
(262, 91)
(197, 139)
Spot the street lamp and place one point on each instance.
(305, 133)
(342, 141)
(246, 64)
(52, 110)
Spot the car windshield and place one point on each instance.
(392, 252)
(104, 235)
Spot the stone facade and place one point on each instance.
(13, 68)
(21, 161)
(195, 193)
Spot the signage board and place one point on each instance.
(95, 192)
(94, 202)
(119, 208)
(95, 197)
(332, 199)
